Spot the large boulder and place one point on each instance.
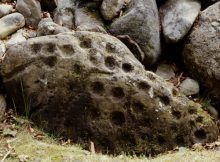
(177, 18)
(141, 23)
(201, 52)
(89, 87)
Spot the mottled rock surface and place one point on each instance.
(141, 23)
(10, 24)
(31, 10)
(177, 17)
(89, 86)
(201, 52)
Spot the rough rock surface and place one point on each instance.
(141, 23)
(89, 86)
(48, 27)
(10, 24)
(177, 17)
(111, 8)
(201, 52)
(5, 9)
(31, 10)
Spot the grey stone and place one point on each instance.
(89, 86)
(177, 17)
(28, 33)
(141, 23)
(31, 10)
(213, 112)
(201, 51)
(2, 106)
(48, 27)
(10, 24)
(165, 71)
(87, 20)
(189, 87)
(2, 50)
(111, 8)
(5, 9)
(64, 13)
(17, 37)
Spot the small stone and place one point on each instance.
(29, 33)
(2, 50)
(15, 39)
(10, 24)
(64, 13)
(189, 87)
(165, 71)
(111, 8)
(177, 17)
(212, 111)
(5, 9)
(48, 27)
(31, 10)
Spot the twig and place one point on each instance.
(6, 155)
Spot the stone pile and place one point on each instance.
(78, 68)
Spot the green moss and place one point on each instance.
(49, 149)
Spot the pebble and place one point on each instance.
(10, 24)
(189, 87)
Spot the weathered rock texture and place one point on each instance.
(202, 49)
(89, 86)
(177, 17)
(141, 23)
